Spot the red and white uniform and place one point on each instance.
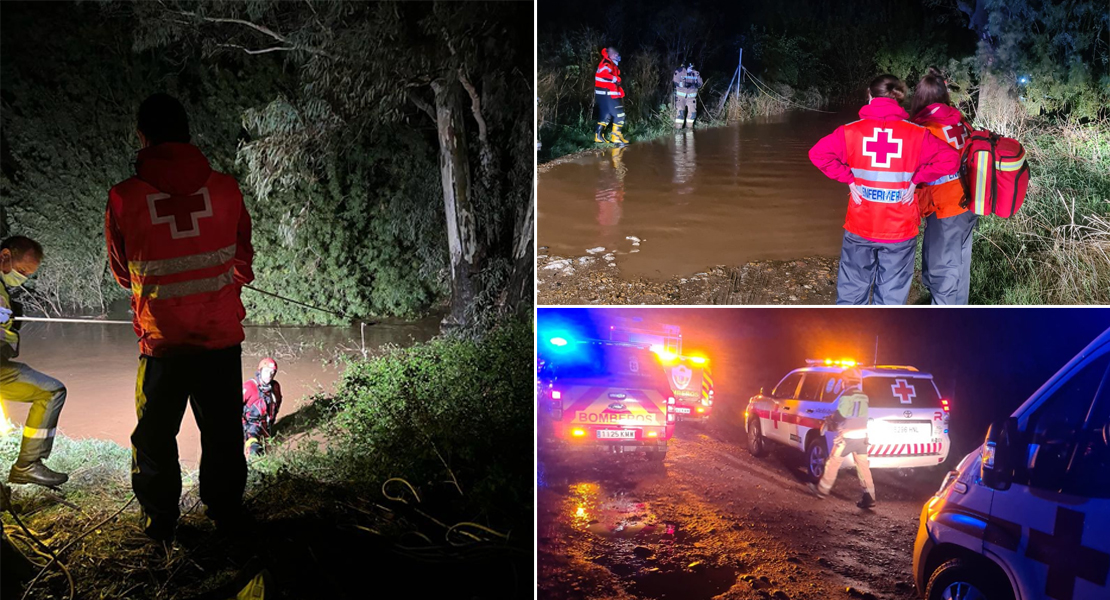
(607, 80)
(179, 237)
(943, 195)
(882, 154)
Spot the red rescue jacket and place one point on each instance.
(882, 154)
(607, 80)
(943, 195)
(259, 407)
(179, 237)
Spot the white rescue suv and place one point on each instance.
(907, 425)
(1027, 515)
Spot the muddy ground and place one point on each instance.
(714, 522)
(596, 279)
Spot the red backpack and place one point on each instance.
(994, 174)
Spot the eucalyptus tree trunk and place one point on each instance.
(522, 284)
(467, 251)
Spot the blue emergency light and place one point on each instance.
(558, 341)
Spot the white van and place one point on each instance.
(907, 425)
(1027, 515)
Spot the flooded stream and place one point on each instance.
(98, 364)
(681, 203)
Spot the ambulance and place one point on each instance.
(1027, 515)
(604, 395)
(691, 385)
(907, 423)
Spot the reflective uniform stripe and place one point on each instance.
(604, 79)
(945, 179)
(38, 434)
(192, 262)
(605, 93)
(687, 94)
(182, 288)
(887, 176)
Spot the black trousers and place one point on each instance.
(212, 383)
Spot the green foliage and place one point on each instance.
(355, 227)
(449, 410)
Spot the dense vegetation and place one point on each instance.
(340, 170)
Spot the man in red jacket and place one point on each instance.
(609, 97)
(261, 403)
(179, 237)
(882, 157)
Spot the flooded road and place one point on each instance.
(714, 522)
(98, 364)
(684, 202)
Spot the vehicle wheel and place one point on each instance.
(817, 454)
(757, 446)
(960, 579)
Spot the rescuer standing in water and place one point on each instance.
(179, 237)
(687, 81)
(849, 421)
(608, 96)
(261, 403)
(20, 257)
(882, 157)
(946, 247)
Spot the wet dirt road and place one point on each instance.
(677, 205)
(714, 522)
(98, 364)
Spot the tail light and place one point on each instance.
(944, 405)
(670, 400)
(701, 409)
(670, 409)
(556, 405)
(578, 432)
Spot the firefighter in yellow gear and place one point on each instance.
(20, 257)
(849, 421)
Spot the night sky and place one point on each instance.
(987, 361)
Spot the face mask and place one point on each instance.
(13, 278)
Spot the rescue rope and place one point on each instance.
(779, 97)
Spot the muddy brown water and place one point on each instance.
(721, 196)
(98, 363)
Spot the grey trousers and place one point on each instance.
(946, 257)
(866, 265)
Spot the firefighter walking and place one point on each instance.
(179, 237)
(609, 97)
(20, 257)
(849, 421)
(687, 81)
(261, 403)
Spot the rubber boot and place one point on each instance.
(617, 137)
(37, 473)
(598, 133)
(866, 502)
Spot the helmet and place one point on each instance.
(268, 363)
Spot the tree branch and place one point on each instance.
(259, 28)
(262, 51)
(422, 105)
(476, 108)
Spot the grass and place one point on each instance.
(419, 464)
(1056, 249)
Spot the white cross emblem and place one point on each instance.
(890, 147)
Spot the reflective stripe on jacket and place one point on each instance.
(179, 237)
(607, 80)
(852, 407)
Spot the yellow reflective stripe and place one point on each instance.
(981, 183)
(38, 434)
(181, 264)
(182, 288)
(1012, 165)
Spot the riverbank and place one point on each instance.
(598, 281)
(404, 468)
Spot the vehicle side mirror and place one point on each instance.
(1000, 448)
